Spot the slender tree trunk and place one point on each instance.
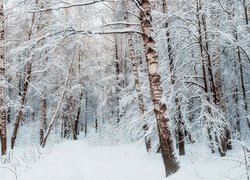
(180, 137)
(76, 128)
(242, 78)
(236, 101)
(71, 117)
(96, 123)
(242, 82)
(219, 101)
(86, 114)
(53, 119)
(170, 162)
(22, 104)
(207, 69)
(43, 126)
(236, 88)
(118, 72)
(220, 140)
(204, 72)
(85, 128)
(2, 86)
(245, 4)
(138, 91)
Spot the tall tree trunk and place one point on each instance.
(166, 144)
(2, 86)
(118, 81)
(237, 125)
(204, 72)
(138, 91)
(218, 91)
(241, 68)
(226, 139)
(242, 82)
(220, 140)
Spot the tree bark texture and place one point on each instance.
(170, 161)
(2, 86)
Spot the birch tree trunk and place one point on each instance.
(2, 86)
(170, 162)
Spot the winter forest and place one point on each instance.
(125, 89)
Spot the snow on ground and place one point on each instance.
(77, 160)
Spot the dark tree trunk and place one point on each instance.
(76, 128)
(96, 123)
(242, 81)
(86, 114)
(3, 128)
(22, 104)
(204, 73)
(24, 90)
(43, 119)
(215, 90)
(180, 140)
(85, 128)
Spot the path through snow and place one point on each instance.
(79, 161)
(76, 160)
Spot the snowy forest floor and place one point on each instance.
(79, 160)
